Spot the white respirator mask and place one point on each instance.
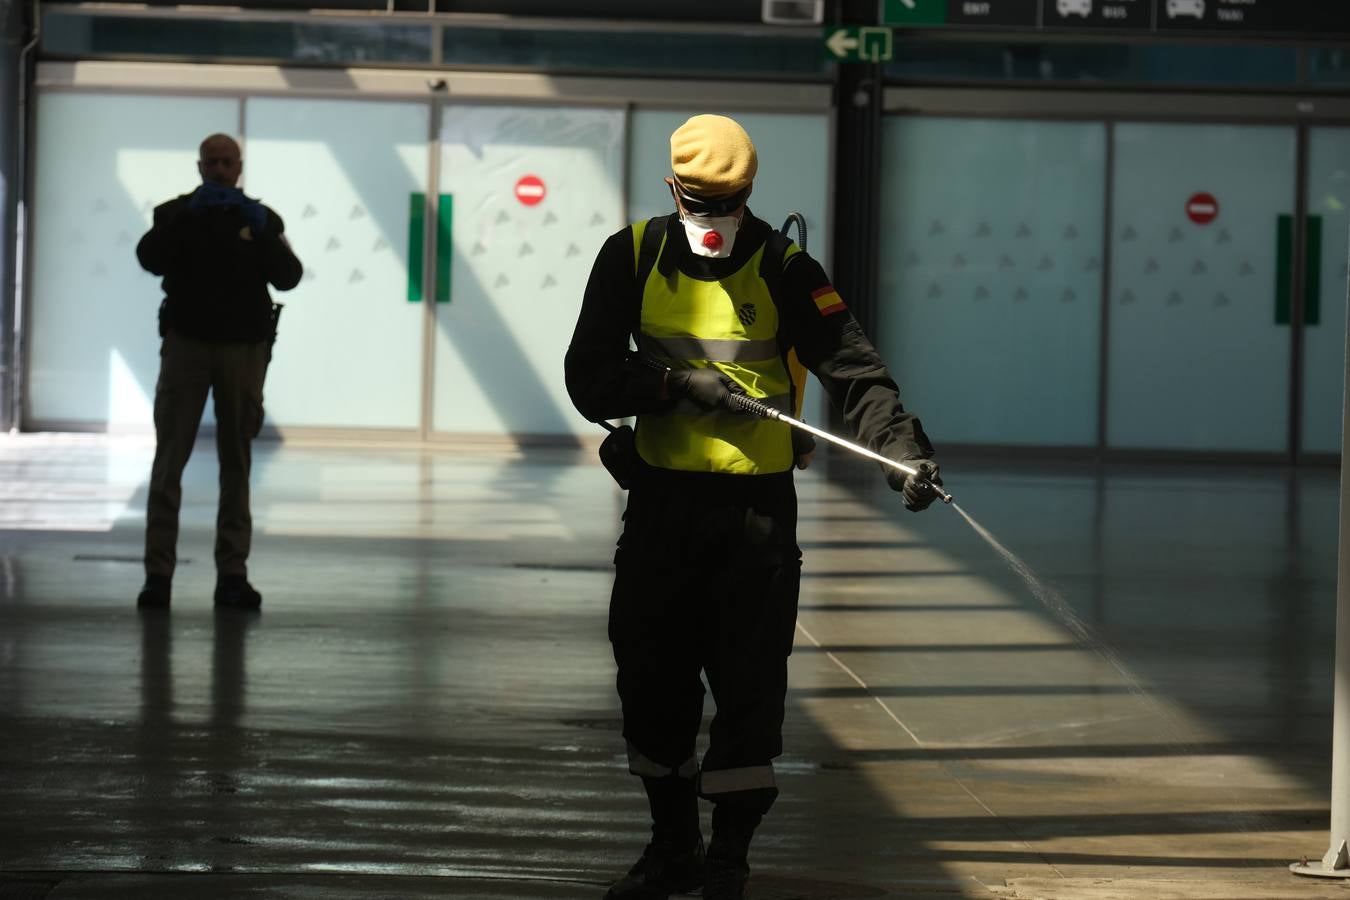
(708, 225)
(711, 236)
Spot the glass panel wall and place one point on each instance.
(346, 176)
(104, 162)
(991, 270)
(1199, 340)
(991, 276)
(532, 193)
(1324, 334)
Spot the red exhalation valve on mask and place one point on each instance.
(713, 241)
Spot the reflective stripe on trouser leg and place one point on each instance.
(727, 781)
(648, 768)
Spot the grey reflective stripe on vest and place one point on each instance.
(782, 403)
(726, 351)
(641, 765)
(725, 781)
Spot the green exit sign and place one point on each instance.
(867, 43)
(903, 13)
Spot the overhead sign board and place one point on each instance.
(1276, 18)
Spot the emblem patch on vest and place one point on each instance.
(746, 314)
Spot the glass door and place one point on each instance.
(104, 161)
(527, 196)
(1328, 238)
(991, 274)
(349, 177)
(1199, 347)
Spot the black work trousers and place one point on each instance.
(707, 576)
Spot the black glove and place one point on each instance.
(210, 195)
(917, 490)
(803, 448)
(709, 388)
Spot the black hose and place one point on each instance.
(800, 221)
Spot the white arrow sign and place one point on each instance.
(840, 43)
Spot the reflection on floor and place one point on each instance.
(425, 706)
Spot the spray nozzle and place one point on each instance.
(944, 496)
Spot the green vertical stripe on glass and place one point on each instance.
(417, 219)
(444, 246)
(1284, 267)
(1312, 282)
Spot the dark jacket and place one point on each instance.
(604, 383)
(216, 269)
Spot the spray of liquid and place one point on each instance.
(1055, 603)
(1173, 728)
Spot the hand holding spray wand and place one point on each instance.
(750, 405)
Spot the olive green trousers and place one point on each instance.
(233, 373)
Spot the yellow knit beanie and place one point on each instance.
(712, 156)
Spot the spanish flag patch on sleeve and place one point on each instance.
(828, 300)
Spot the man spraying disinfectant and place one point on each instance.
(708, 568)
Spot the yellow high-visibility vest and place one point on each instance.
(730, 325)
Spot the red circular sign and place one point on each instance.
(1202, 208)
(530, 190)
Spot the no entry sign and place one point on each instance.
(530, 190)
(1202, 208)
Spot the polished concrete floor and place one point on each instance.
(425, 706)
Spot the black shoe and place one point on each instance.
(155, 593)
(661, 871)
(234, 592)
(726, 880)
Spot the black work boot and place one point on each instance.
(234, 592)
(673, 862)
(728, 871)
(155, 593)
(725, 879)
(662, 870)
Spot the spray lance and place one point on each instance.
(754, 407)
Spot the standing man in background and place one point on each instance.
(708, 568)
(217, 251)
